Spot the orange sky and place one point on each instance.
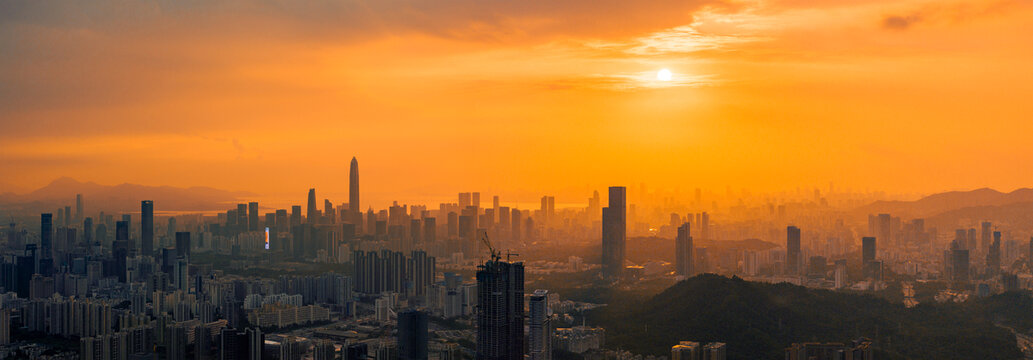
(517, 98)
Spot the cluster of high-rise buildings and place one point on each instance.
(126, 291)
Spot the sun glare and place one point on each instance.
(664, 75)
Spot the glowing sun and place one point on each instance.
(664, 75)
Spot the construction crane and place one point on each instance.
(495, 255)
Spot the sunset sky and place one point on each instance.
(517, 97)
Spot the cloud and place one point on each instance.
(950, 12)
(494, 20)
(896, 22)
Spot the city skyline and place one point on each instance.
(540, 179)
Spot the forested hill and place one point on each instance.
(759, 320)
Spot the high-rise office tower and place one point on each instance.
(78, 208)
(868, 253)
(500, 311)
(182, 244)
(412, 335)
(539, 327)
(495, 206)
(840, 274)
(884, 228)
(353, 187)
(242, 217)
(147, 228)
(515, 221)
(87, 233)
(295, 216)
(614, 232)
(959, 264)
(430, 230)
(310, 214)
(683, 251)
(328, 211)
(120, 249)
(46, 235)
(464, 200)
(252, 216)
(543, 210)
(792, 250)
(68, 216)
(122, 230)
(972, 241)
(704, 226)
(986, 230)
(476, 199)
(993, 255)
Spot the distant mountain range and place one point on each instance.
(120, 198)
(948, 202)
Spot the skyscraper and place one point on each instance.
(353, 189)
(78, 208)
(885, 228)
(500, 311)
(683, 251)
(792, 250)
(412, 335)
(146, 227)
(704, 226)
(252, 216)
(183, 244)
(959, 265)
(310, 215)
(614, 232)
(993, 255)
(868, 253)
(46, 235)
(539, 327)
(986, 229)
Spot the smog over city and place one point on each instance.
(540, 180)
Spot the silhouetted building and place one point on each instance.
(241, 344)
(985, 232)
(147, 227)
(500, 311)
(353, 191)
(358, 351)
(683, 251)
(993, 255)
(539, 327)
(252, 216)
(46, 236)
(183, 244)
(959, 262)
(614, 232)
(310, 214)
(412, 335)
(793, 250)
(868, 254)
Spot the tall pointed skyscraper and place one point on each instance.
(310, 214)
(353, 188)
